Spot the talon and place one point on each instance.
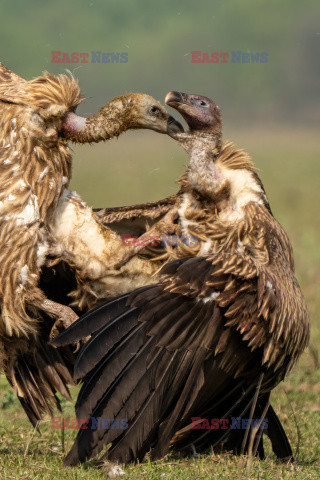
(65, 316)
(63, 323)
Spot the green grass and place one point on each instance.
(142, 167)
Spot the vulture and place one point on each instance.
(211, 335)
(37, 118)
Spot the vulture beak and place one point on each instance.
(181, 102)
(173, 126)
(175, 99)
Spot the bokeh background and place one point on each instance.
(269, 109)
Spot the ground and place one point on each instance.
(140, 167)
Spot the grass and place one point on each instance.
(142, 167)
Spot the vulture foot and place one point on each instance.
(65, 316)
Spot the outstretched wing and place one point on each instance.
(149, 211)
(172, 350)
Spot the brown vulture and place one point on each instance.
(36, 120)
(224, 325)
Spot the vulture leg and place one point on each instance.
(66, 316)
(253, 407)
(255, 440)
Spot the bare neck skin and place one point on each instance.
(110, 121)
(203, 149)
(223, 176)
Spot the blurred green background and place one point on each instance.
(273, 98)
(269, 109)
(159, 36)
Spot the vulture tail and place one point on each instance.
(36, 372)
(279, 440)
(203, 440)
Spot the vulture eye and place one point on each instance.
(154, 109)
(202, 103)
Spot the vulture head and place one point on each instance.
(128, 111)
(200, 113)
(216, 170)
(204, 140)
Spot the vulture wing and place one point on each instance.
(137, 219)
(198, 344)
(151, 210)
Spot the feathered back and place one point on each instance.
(35, 169)
(56, 94)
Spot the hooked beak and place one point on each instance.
(175, 99)
(181, 102)
(178, 101)
(173, 126)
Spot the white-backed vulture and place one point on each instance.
(36, 120)
(223, 327)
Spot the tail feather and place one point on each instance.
(50, 376)
(279, 440)
(60, 364)
(29, 390)
(36, 371)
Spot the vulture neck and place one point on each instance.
(110, 121)
(221, 177)
(203, 149)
